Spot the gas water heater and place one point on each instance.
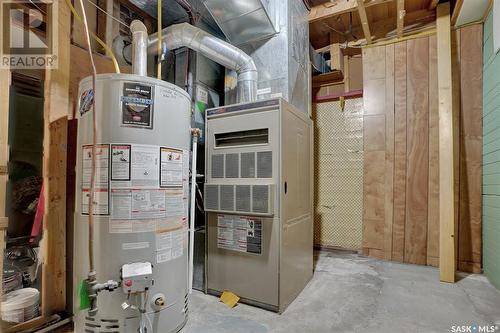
(140, 203)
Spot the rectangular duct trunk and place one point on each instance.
(282, 60)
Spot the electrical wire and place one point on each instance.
(94, 143)
(103, 44)
(108, 14)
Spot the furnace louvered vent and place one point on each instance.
(227, 197)
(241, 199)
(232, 165)
(212, 197)
(247, 165)
(218, 166)
(265, 164)
(95, 325)
(260, 199)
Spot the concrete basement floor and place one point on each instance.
(352, 293)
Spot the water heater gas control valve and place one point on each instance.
(137, 277)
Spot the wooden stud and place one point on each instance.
(401, 13)
(338, 7)
(336, 58)
(456, 11)
(347, 73)
(56, 109)
(364, 21)
(447, 251)
(5, 77)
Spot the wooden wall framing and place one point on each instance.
(401, 134)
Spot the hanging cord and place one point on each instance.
(160, 42)
(103, 44)
(94, 143)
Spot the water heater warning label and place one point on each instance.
(239, 233)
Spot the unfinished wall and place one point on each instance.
(491, 156)
(401, 184)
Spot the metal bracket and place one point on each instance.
(4, 170)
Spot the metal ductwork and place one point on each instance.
(186, 35)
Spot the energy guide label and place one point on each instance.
(239, 233)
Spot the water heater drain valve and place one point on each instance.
(137, 277)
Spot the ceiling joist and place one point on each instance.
(364, 21)
(338, 7)
(456, 11)
(401, 17)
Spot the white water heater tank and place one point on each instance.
(140, 203)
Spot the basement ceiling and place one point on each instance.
(381, 17)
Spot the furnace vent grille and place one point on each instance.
(232, 165)
(247, 199)
(247, 165)
(265, 164)
(218, 166)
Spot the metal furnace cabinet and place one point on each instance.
(258, 198)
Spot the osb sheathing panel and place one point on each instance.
(401, 183)
(338, 174)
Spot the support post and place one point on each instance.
(4, 159)
(56, 110)
(447, 237)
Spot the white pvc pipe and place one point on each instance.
(192, 210)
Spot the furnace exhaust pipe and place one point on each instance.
(186, 35)
(139, 48)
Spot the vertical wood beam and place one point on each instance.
(447, 250)
(456, 11)
(401, 17)
(4, 158)
(56, 109)
(364, 21)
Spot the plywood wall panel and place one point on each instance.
(398, 228)
(469, 242)
(403, 171)
(374, 133)
(417, 151)
(433, 209)
(389, 151)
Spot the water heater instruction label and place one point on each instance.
(239, 233)
(171, 167)
(120, 162)
(101, 182)
(169, 245)
(147, 190)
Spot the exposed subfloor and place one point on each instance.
(352, 293)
